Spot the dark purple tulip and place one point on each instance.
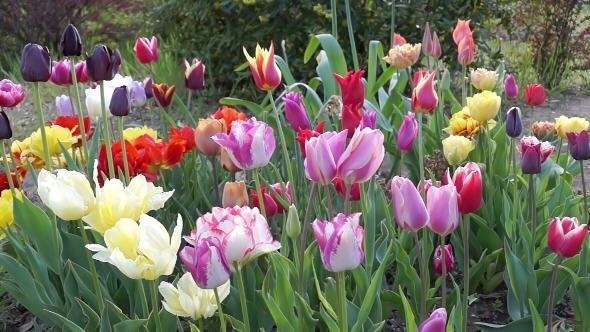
(147, 85)
(369, 119)
(194, 74)
(579, 145)
(531, 159)
(5, 130)
(35, 65)
(70, 43)
(513, 123)
(119, 105)
(103, 64)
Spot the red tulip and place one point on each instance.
(305, 134)
(163, 93)
(351, 118)
(355, 189)
(272, 205)
(81, 75)
(467, 180)
(265, 70)
(351, 86)
(146, 50)
(565, 236)
(443, 252)
(534, 94)
(4, 183)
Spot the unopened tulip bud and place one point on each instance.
(163, 93)
(510, 86)
(513, 122)
(369, 119)
(579, 145)
(407, 132)
(64, 106)
(295, 111)
(234, 193)
(436, 49)
(35, 63)
(205, 129)
(146, 50)
(194, 74)
(148, 87)
(427, 40)
(60, 73)
(119, 105)
(227, 163)
(5, 129)
(137, 95)
(424, 97)
(565, 236)
(293, 223)
(443, 254)
(70, 43)
(437, 321)
(103, 63)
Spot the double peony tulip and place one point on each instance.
(403, 56)
(457, 148)
(341, 242)
(565, 125)
(484, 106)
(68, 193)
(11, 94)
(566, 236)
(408, 207)
(483, 79)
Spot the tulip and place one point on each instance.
(565, 236)
(408, 207)
(35, 65)
(205, 130)
(143, 251)
(227, 163)
(565, 125)
(443, 207)
(293, 224)
(5, 183)
(457, 148)
(484, 106)
(407, 132)
(5, 129)
(510, 86)
(93, 102)
(534, 94)
(72, 123)
(579, 145)
(427, 40)
(81, 74)
(148, 85)
(466, 51)
(60, 73)
(272, 205)
(398, 39)
(243, 232)
(194, 74)
(188, 300)
(355, 189)
(340, 241)
(351, 87)
(229, 115)
(67, 194)
(163, 93)
(103, 64)
(436, 51)
(234, 194)
(11, 94)
(137, 96)
(64, 106)
(403, 56)
(6, 210)
(362, 157)
(57, 136)
(443, 252)
(419, 75)
(146, 50)
(437, 321)
(461, 31)
(119, 105)
(467, 180)
(369, 119)
(544, 130)
(483, 79)
(424, 97)
(462, 123)
(206, 263)
(427, 185)
(265, 71)
(70, 43)
(513, 122)
(250, 144)
(534, 153)
(306, 134)
(295, 111)
(351, 118)
(322, 154)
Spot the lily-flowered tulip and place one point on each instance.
(437, 322)
(11, 94)
(64, 106)
(419, 75)
(103, 64)
(140, 251)
(146, 50)
(403, 56)
(70, 43)
(534, 94)
(461, 31)
(351, 118)
(5, 128)
(466, 51)
(467, 180)
(35, 64)
(163, 93)
(351, 87)
(271, 203)
(234, 194)
(295, 111)
(242, 231)
(484, 106)
(194, 74)
(443, 207)
(457, 148)
(407, 133)
(81, 74)
(513, 122)
(60, 73)
(565, 236)
(362, 157)
(510, 86)
(398, 39)
(188, 300)
(137, 96)
(341, 242)
(265, 71)
(443, 252)
(322, 154)
(369, 119)
(534, 153)
(68, 194)
(408, 207)
(119, 105)
(579, 145)
(483, 79)
(206, 263)
(424, 97)
(205, 130)
(427, 40)
(249, 144)
(565, 125)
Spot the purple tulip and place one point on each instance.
(35, 63)
(194, 74)
(70, 43)
(407, 132)
(534, 153)
(137, 95)
(103, 63)
(362, 156)
(5, 129)
(443, 207)
(322, 154)
(510, 86)
(340, 241)
(408, 206)
(119, 105)
(206, 263)
(579, 145)
(369, 119)
(249, 144)
(148, 87)
(64, 106)
(295, 111)
(437, 321)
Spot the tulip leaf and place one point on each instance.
(92, 318)
(185, 111)
(325, 73)
(251, 106)
(131, 325)
(328, 320)
(322, 298)
(524, 324)
(67, 324)
(408, 313)
(333, 51)
(93, 149)
(285, 70)
(538, 325)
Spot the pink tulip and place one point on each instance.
(398, 39)
(60, 73)
(81, 75)
(424, 97)
(249, 144)
(264, 69)
(408, 206)
(436, 51)
(565, 236)
(427, 40)
(534, 94)
(272, 205)
(369, 119)
(11, 94)
(419, 75)
(407, 133)
(443, 207)
(206, 262)
(467, 180)
(340, 241)
(146, 50)
(443, 252)
(437, 322)
(322, 154)
(362, 157)
(242, 232)
(510, 86)
(466, 51)
(462, 31)
(295, 111)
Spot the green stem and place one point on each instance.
(532, 216)
(107, 132)
(329, 199)
(551, 308)
(121, 120)
(421, 154)
(303, 242)
(342, 314)
(465, 230)
(463, 85)
(334, 19)
(347, 204)
(422, 276)
(559, 150)
(443, 294)
(189, 99)
(355, 59)
(80, 111)
(41, 118)
(221, 317)
(7, 169)
(584, 253)
(143, 298)
(243, 303)
(392, 23)
(212, 160)
(259, 191)
(155, 305)
(92, 266)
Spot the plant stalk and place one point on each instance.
(107, 132)
(422, 276)
(243, 303)
(532, 216)
(583, 270)
(80, 111)
(551, 306)
(465, 230)
(258, 192)
(355, 59)
(92, 266)
(155, 306)
(41, 118)
(334, 19)
(443, 294)
(221, 317)
(463, 85)
(7, 169)
(303, 239)
(121, 123)
(342, 312)
(212, 160)
(421, 155)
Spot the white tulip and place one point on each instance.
(68, 194)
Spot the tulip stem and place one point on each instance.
(258, 191)
(155, 309)
(532, 216)
(92, 266)
(7, 169)
(334, 19)
(212, 160)
(463, 85)
(421, 155)
(189, 99)
(243, 303)
(559, 150)
(342, 314)
(583, 260)
(355, 59)
(303, 242)
(41, 118)
(143, 298)
(443, 294)
(121, 120)
(465, 230)
(329, 199)
(107, 132)
(550, 308)
(80, 112)
(346, 198)
(392, 23)
(422, 276)
(219, 309)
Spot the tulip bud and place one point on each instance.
(163, 93)
(146, 50)
(205, 129)
(579, 145)
(351, 87)
(407, 132)
(513, 122)
(565, 236)
(427, 41)
(234, 194)
(457, 148)
(369, 119)
(355, 190)
(227, 163)
(70, 43)
(35, 63)
(436, 49)
(443, 207)
(119, 105)
(293, 223)
(81, 74)
(340, 241)
(510, 86)
(137, 95)
(194, 74)
(103, 63)
(408, 207)
(295, 111)
(60, 73)
(5, 129)
(148, 87)
(424, 97)
(443, 254)
(64, 106)
(468, 182)
(437, 322)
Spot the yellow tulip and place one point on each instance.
(564, 125)
(68, 194)
(461, 123)
(6, 215)
(55, 135)
(484, 106)
(457, 148)
(131, 134)
(483, 79)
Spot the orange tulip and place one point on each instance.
(234, 193)
(462, 30)
(205, 129)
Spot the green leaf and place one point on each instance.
(524, 324)
(131, 325)
(191, 120)
(68, 325)
(408, 313)
(538, 325)
(253, 107)
(328, 320)
(333, 51)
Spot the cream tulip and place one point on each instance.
(68, 194)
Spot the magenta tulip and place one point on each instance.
(369, 119)
(11, 94)
(81, 75)
(443, 207)
(407, 133)
(565, 236)
(467, 180)
(534, 153)
(437, 322)
(362, 156)
(295, 111)
(424, 97)
(443, 252)
(60, 73)
(146, 50)
(322, 154)
(408, 206)
(206, 263)
(510, 86)
(340, 241)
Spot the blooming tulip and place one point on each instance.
(11, 94)
(461, 31)
(340, 241)
(5, 129)
(369, 119)
(188, 300)
(205, 130)
(143, 251)
(234, 194)
(72, 123)
(513, 122)
(5, 183)
(103, 64)
(483, 79)
(579, 145)
(443, 252)
(163, 93)
(462, 123)
(249, 144)
(57, 137)
(206, 263)
(534, 153)
(544, 130)
(265, 71)
(424, 97)
(484, 106)
(272, 205)
(398, 39)
(534, 94)
(565, 125)
(64, 106)
(467, 180)
(70, 43)
(408, 207)
(295, 111)
(81, 74)
(68, 194)
(146, 50)
(419, 75)
(229, 115)
(510, 86)
(403, 56)
(355, 189)
(443, 207)
(137, 95)
(407, 133)
(437, 321)
(194, 74)
(466, 51)
(565, 236)
(322, 154)
(457, 148)
(351, 87)
(362, 157)
(35, 65)
(61, 73)
(119, 105)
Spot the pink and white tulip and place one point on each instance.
(206, 263)
(60, 73)
(322, 154)
(437, 322)
(408, 207)
(362, 157)
(565, 236)
(340, 241)
(146, 50)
